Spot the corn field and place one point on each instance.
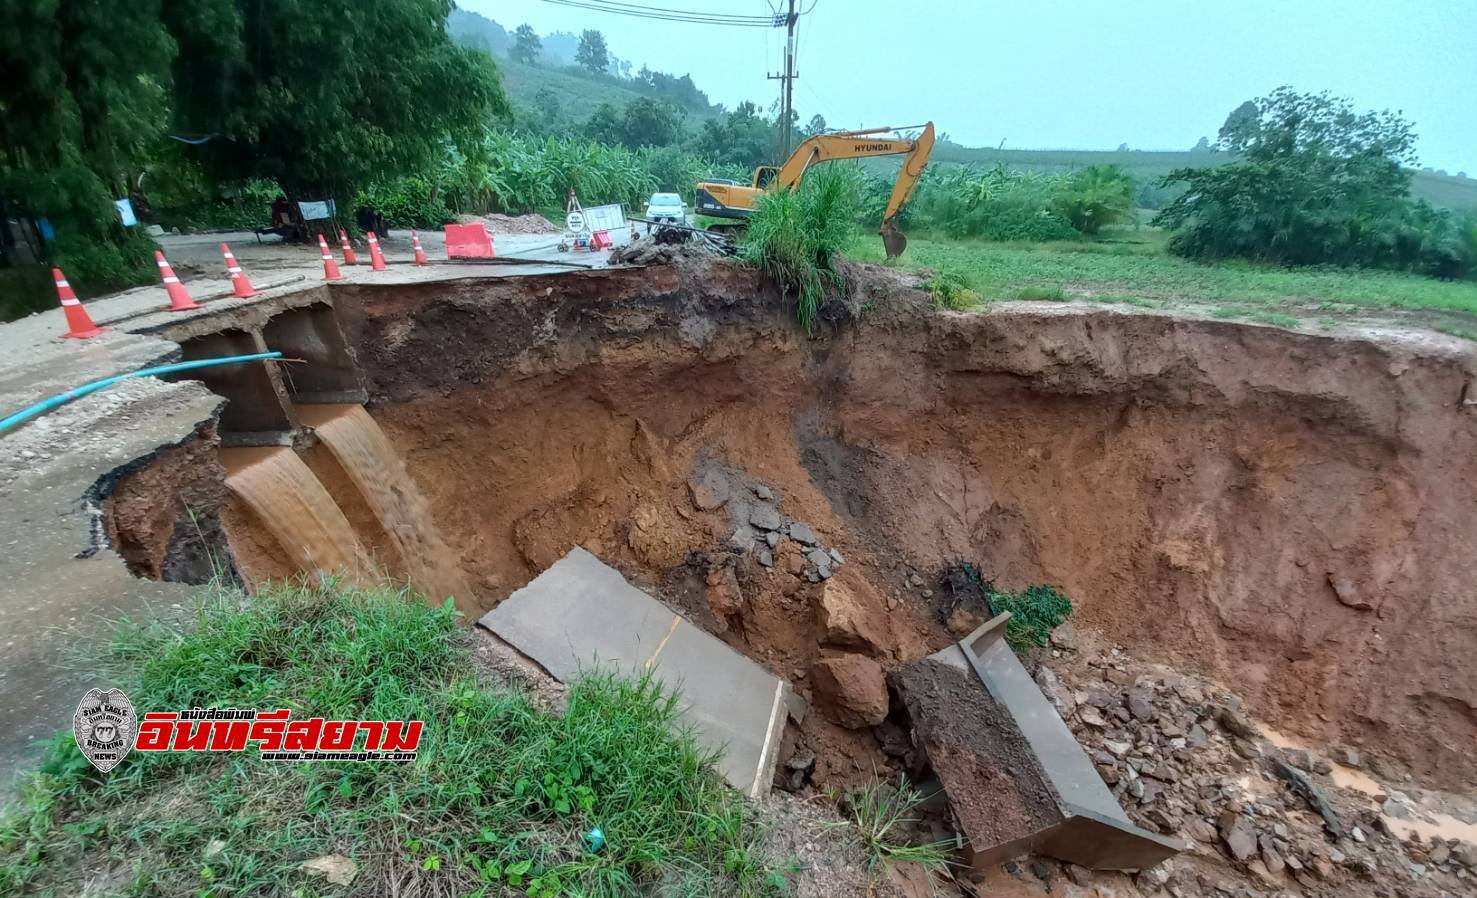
(516, 173)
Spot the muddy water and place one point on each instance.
(375, 467)
(293, 505)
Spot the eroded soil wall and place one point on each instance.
(1290, 513)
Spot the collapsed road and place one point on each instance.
(1285, 511)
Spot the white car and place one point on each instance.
(666, 207)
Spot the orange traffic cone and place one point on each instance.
(179, 297)
(330, 267)
(376, 258)
(420, 254)
(240, 283)
(79, 323)
(349, 257)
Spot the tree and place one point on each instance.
(546, 104)
(816, 125)
(1239, 124)
(1093, 197)
(84, 96)
(1316, 182)
(605, 125)
(526, 45)
(740, 136)
(592, 53)
(322, 100)
(1201, 146)
(648, 122)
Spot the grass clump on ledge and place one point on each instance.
(951, 292)
(794, 236)
(499, 800)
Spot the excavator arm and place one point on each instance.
(725, 199)
(857, 144)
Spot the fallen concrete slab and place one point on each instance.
(1015, 776)
(581, 614)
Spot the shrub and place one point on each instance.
(408, 202)
(1033, 614)
(1317, 183)
(794, 236)
(1093, 197)
(952, 292)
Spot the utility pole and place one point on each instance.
(788, 77)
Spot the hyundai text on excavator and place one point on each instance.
(727, 200)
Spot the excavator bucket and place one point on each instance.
(893, 240)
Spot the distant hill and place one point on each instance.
(578, 92)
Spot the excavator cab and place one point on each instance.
(724, 199)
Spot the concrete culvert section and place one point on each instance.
(1284, 514)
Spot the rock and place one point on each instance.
(1260, 872)
(336, 868)
(724, 595)
(1385, 769)
(1270, 856)
(1078, 874)
(1439, 854)
(836, 559)
(851, 690)
(765, 517)
(1322, 766)
(1394, 807)
(1237, 724)
(818, 557)
(709, 490)
(1247, 749)
(1152, 880)
(1041, 871)
(1118, 748)
(851, 618)
(822, 572)
(802, 534)
(1201, 830)
(774, 538)
(213, 848)
(1239, 835)
(798, 771)
(1348, 593)
(766, 558)
(1064, 637)
(764, 493)
(1059, 695)
(963, 622)
(1350, 757)
(1141, 704)
(914, 581)
(1092, 717)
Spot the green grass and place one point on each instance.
(1134, 264)
(498, 802)
(880, 817)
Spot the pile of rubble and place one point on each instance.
(670, 244)
(1185, 760)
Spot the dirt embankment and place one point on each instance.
(1289, 513)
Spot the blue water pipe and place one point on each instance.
(47, 405)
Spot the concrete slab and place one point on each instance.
(581, 613)
(1014, 773)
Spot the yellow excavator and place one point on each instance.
(727, 199)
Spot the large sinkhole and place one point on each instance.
(1288, 513)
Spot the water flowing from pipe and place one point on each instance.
(295, 508)
(376, 468)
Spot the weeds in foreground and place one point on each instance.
(795, 235)
(881, 815)
(950, 291)
(500, 798)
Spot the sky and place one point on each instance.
(1069, 74)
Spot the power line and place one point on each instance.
(668, 14)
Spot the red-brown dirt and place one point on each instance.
(1287, 512)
